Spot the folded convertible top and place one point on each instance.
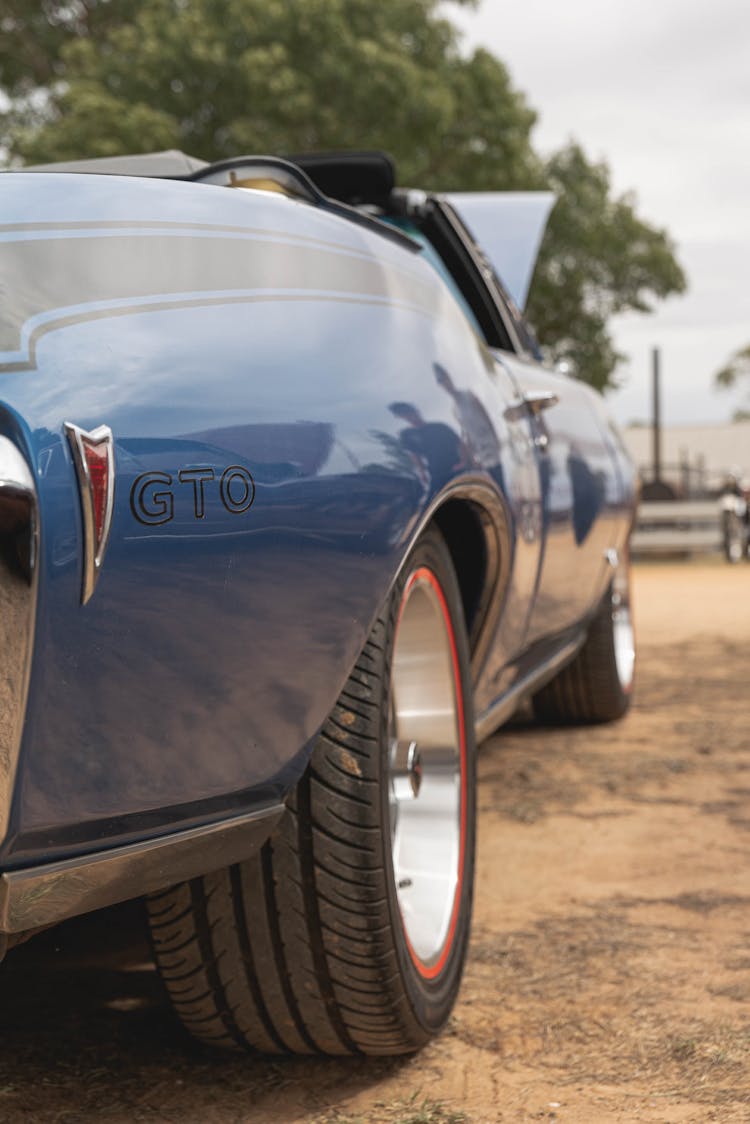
(349, 177)
(168, 164)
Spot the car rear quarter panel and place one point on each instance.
(211, 329)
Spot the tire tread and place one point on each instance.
(293, 949)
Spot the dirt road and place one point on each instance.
(609, 977)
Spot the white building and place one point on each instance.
(694, 458)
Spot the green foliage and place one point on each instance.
(219, 78)
(33, 39)
(598, 258)
(222, 77)
(33, 36)
(736, 369)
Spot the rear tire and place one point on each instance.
(597, 685)
(315, 945)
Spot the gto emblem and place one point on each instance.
(152, 497)
(94, 460)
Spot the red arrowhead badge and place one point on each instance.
(94, 459)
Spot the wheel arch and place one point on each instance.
(473, 523)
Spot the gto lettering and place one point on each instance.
(153, 499)
(237, 489)
(148, 505)
(196, 476)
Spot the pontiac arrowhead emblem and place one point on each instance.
(94, 459)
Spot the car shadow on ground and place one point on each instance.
(89, 1034)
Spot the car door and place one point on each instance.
(518, 469)
(577, 480)
(574, 466)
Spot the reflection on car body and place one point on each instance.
(354, 524)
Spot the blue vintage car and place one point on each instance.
(291, 518)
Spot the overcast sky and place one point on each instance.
(661, 90)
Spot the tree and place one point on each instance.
(222, 77)
(735, 370)
(598, 258)
(33, 38)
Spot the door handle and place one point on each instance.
(538, 400)
(532, 402)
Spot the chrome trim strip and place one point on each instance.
(19, 553)
(93, 550)
(44, 895)
(501, 710)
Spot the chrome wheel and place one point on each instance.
(427, 771)
(623, 635)
(597, 686)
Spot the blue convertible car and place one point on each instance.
(291, 518)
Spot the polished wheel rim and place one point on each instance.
(427, 758)
(622, 629)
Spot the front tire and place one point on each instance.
(347, 934)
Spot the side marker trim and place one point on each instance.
(94, 460)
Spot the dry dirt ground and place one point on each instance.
(609, 975)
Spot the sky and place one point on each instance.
(659, 89)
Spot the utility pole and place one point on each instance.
(656, 415)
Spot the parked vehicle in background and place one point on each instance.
(734, 507)
(291, 517)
